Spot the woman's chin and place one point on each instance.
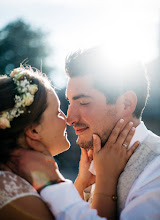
(62, 148)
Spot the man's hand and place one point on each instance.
(85, 177)
(36, 166)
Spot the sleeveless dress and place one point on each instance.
(13, 187)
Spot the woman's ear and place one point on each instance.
(128, 103)
(32, 132)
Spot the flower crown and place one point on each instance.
(25, 96)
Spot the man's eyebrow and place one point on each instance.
(80, 96)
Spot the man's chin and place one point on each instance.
(85, 144)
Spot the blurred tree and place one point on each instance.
(19, 42)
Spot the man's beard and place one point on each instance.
(89, 144)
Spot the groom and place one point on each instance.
(100, 93)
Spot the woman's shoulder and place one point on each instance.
(12, 187)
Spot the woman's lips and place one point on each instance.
(79, 131)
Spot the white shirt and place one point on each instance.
(143, 201)
(65, 203)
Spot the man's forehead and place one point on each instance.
(79, 85)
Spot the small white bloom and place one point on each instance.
(32, 89)
(4, 123)
(15, 71)
(19, 76)
(28, 99)
(25, 96)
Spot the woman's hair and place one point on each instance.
(30, 114)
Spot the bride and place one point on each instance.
(30, 111)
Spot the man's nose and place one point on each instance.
(72, 115)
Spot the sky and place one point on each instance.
(129, 25)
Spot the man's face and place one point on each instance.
(89, 112)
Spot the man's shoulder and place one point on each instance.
(151, 134)
(153, 142)
(148, 180)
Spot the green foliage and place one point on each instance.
(19, 42)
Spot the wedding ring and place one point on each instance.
(125, 145)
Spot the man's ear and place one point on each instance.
(128, 102)
(33, 132)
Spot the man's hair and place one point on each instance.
(111, 79)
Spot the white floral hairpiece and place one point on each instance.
(25, 96)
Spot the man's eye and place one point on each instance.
(86, 103)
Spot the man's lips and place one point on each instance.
(79, 131)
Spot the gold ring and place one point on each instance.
(125, 145)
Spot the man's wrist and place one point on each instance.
(49, 183)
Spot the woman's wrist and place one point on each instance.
(106, 178)
(106, 186)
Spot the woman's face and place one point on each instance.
(52, 129)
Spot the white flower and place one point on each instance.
(19, 76)
(4, 123)
(32, 89)
(28, 99)
(15, 71)
(25, 96)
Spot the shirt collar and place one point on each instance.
(140, 134)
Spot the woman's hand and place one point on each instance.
(109, 162)
(112, 158)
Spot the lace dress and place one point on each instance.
(13, 187)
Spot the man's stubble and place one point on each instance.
(89, 144)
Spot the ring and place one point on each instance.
(125, 145)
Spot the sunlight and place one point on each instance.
(128, 32)
(131, 32)
(133, 36)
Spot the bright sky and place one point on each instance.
(85, 23)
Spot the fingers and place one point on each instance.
(12, 165)
(126, 135)
(96, 143)
(19, 152)
(133, 148)
(90, 155)
(4, 167)
(84, 155)
(36, 145)
(115, 132)
(129, 137)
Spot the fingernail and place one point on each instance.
(121, 120)
(133, 129)
(94, 136)
(130, 123)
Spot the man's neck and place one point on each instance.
(136, 121)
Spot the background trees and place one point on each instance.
(19, 42)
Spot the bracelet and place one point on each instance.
(50, 182)
(113, 197)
